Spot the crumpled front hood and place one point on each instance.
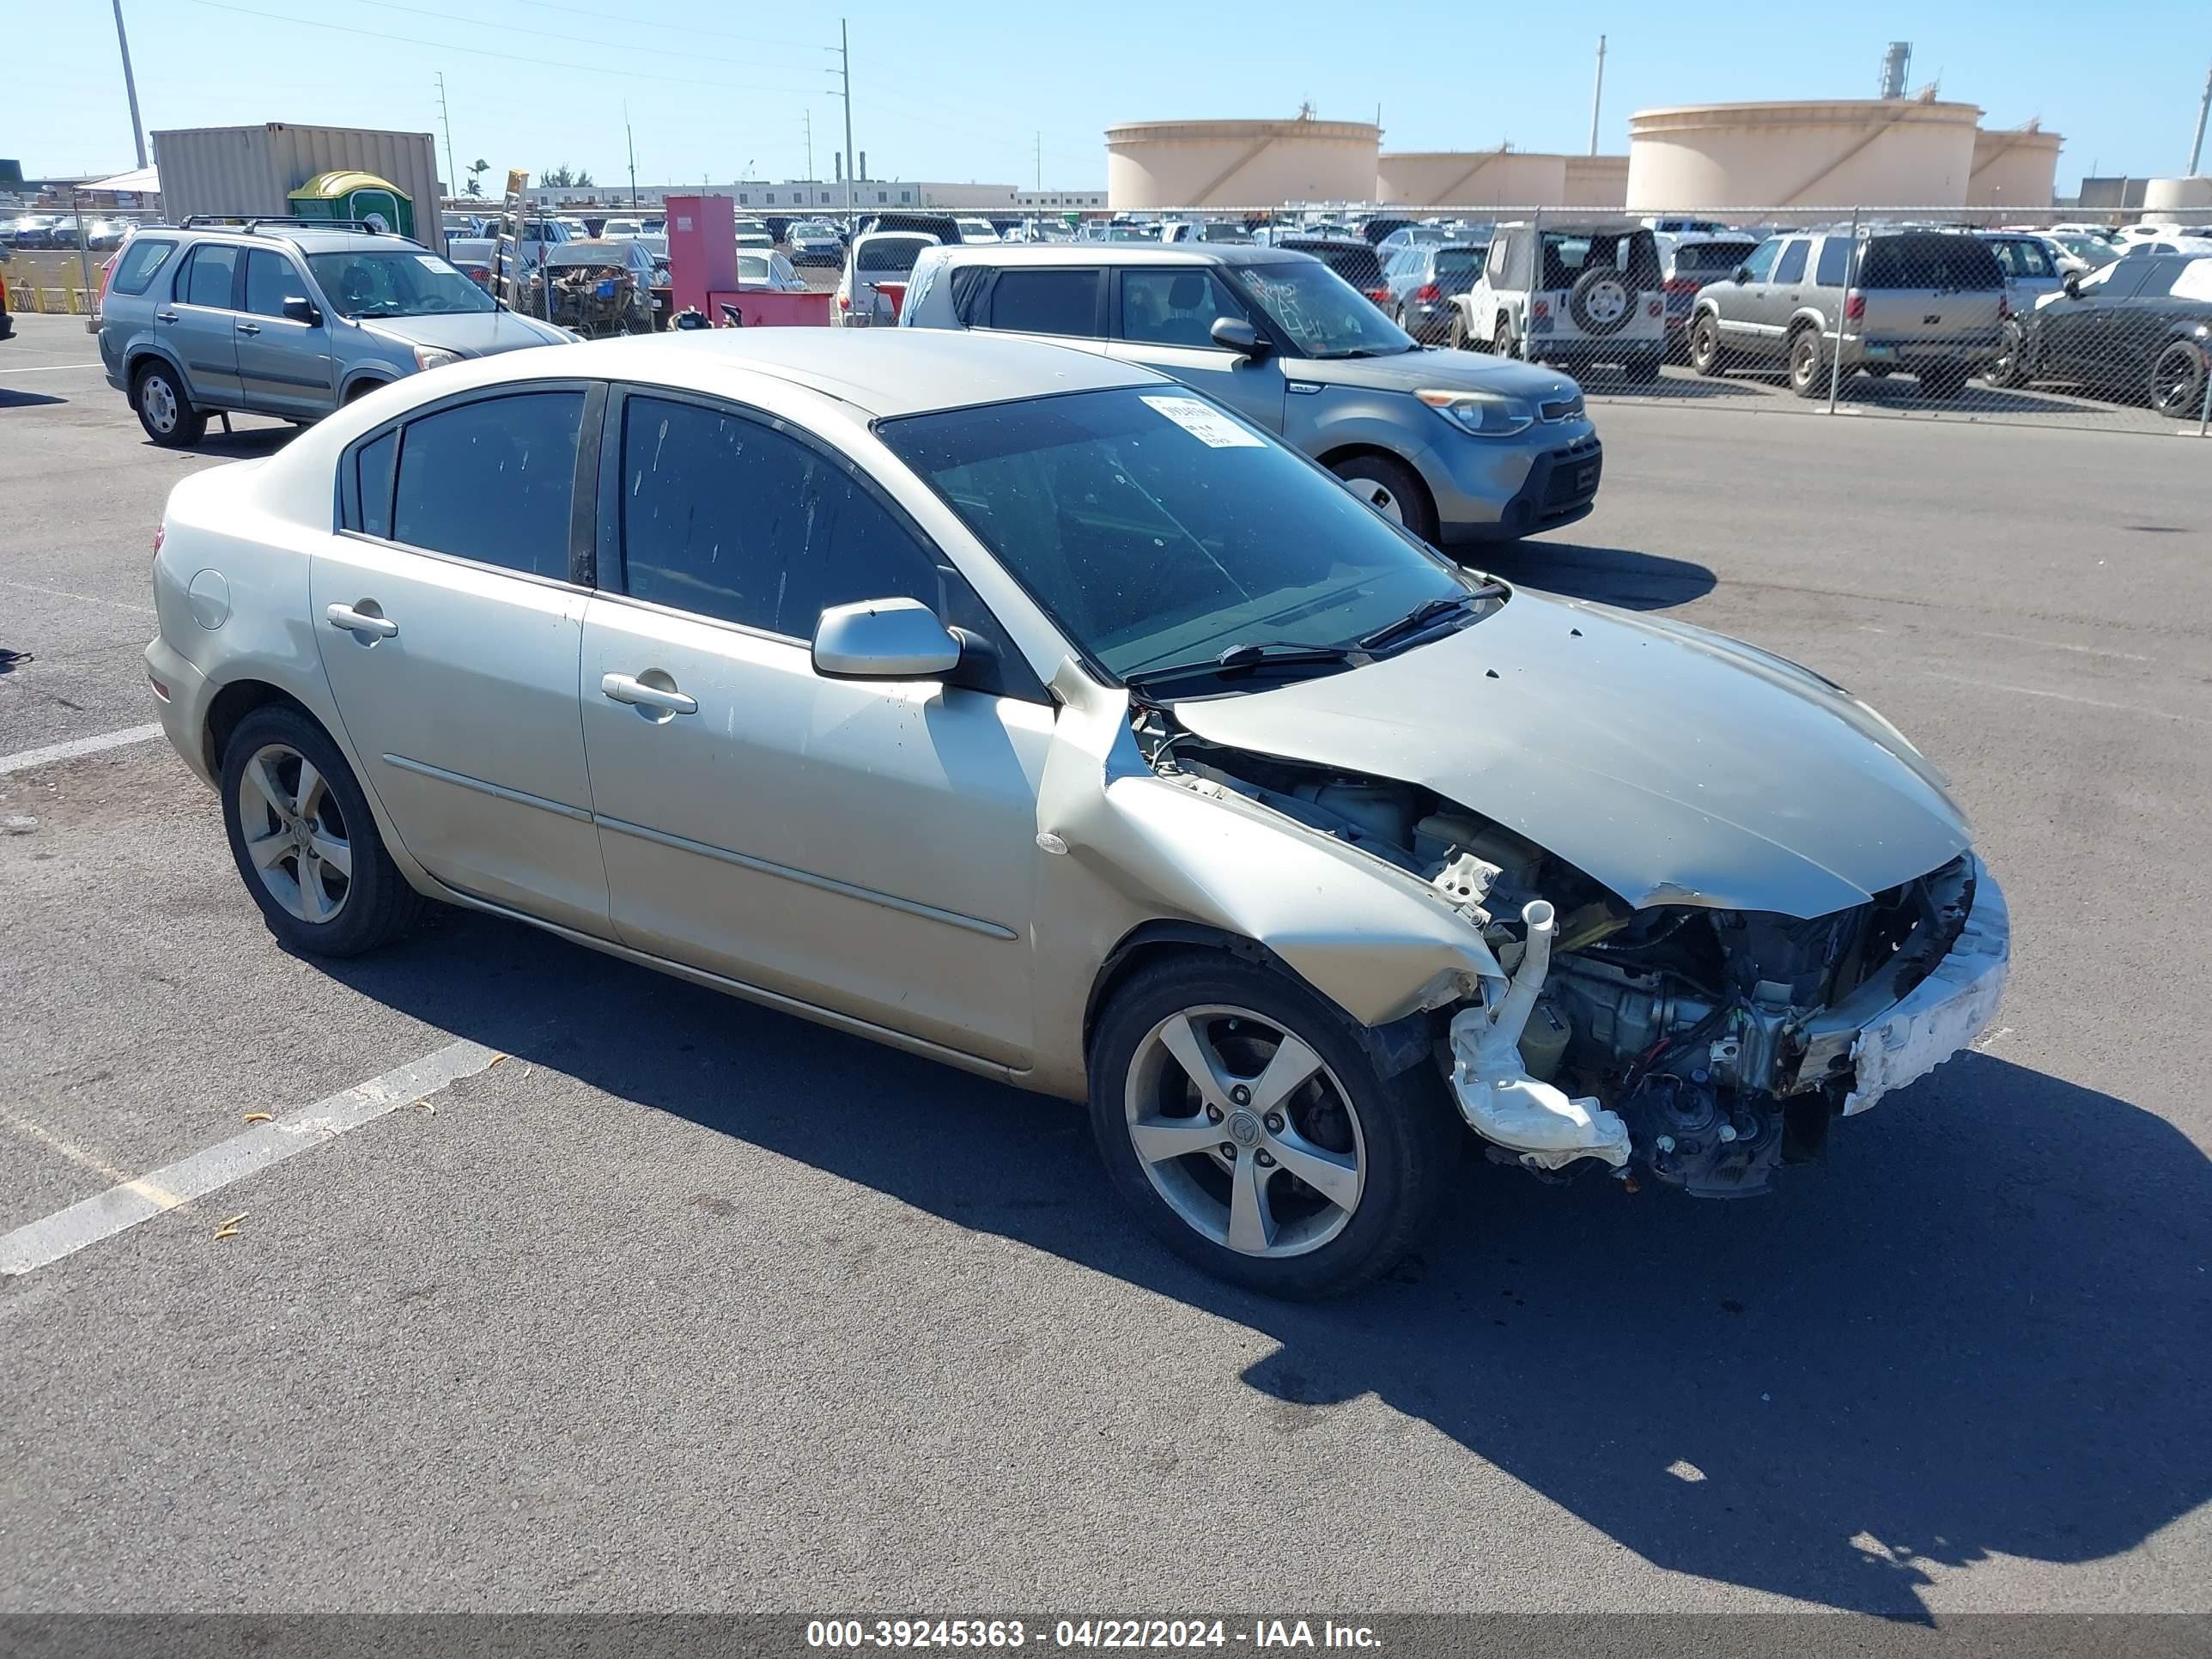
(1670, 764)
(471, 333)
(1415, 371)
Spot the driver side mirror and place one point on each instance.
(2071, 281)
(1234, 334)
(1742, 274)
(297, 310)
(883, 639)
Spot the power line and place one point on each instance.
(633, 22)
(574, 39)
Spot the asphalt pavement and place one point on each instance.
(665, 1302)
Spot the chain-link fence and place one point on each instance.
(1946, 313)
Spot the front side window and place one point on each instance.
(206, 279)
(375, 284)
(727, 517)
(1157, 529)
(1047, 302)
(134, 271)
(1324, 315)
(492, 481)
(1171, 307)
(269, 280)
(1762, 259)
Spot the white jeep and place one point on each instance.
(1573, 292)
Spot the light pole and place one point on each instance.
(130, 85)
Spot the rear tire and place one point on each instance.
(164, 410)
(2177, 381)
(2008, 369)
(1238, 1018)
(1807, 364)
(312, 858)
(1392, 489)
(1456, 334)
(1707, 355)
(1502, 341)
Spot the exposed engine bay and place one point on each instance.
(1696, 1046)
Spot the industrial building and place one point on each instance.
(1198, 164)
(785, 195)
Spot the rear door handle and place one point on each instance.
(165, 316)
(249, 328)
(623, 689)
(357, 622)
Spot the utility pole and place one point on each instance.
(845, 53)
(1597, 95)
(2196, 144)
(1040, 163)
(130, 85)
(807, 116)
(445, 120)
(630, 140)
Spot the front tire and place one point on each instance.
(2177, 381)
(164, 410)
(1501, 339)
(1244, 1120)
(1392, 489)
(1707, 355)
(305, 842)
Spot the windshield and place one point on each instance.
(1157, 529)
(1324, 315)
(1712, 255)
(394, 284)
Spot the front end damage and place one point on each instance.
(1687, 1044)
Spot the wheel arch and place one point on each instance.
(230, 706)
(362, 382)
(144, 353)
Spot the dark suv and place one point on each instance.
(1930, 303)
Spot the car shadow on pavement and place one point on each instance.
(242, 443)
(1975, 1330)
(1611, 575)
(10, 399)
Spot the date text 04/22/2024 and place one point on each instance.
(1108, 1633)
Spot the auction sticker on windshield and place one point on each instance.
(1206, 424)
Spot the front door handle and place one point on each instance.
(165, 316)
(359, 622)
(249, 328)
(623, 689)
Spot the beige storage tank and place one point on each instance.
(1851, 152)
(1463, 178)
(1596, 181)
(1191, 164)
(2188, 200)
(2015, 169)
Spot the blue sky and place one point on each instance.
(963, 92)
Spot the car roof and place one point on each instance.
(884, 371)
(334, 241)
(1121, 253)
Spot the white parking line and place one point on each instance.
(25, 759)
(82, 598)
(123, 1206)
(52, 368)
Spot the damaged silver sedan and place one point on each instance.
(1025, 710)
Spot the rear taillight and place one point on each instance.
(1653, 308)
(2004, 307)
(160, 534)
(1378, 295)
(1854, 307)
(844, 303)
(1680, 285)
(1541, 308)
(1428, 293)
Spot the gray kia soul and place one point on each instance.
(278, 319)
(1455, 447)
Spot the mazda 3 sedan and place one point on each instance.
(1026, 710)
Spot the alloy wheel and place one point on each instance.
(1244, 1132)
(295, 833)
(1378, 495)
(159, 402)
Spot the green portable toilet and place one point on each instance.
(348, 194)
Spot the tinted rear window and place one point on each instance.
(491, 481)
(134, 271)
(891, 253)
(1361, 266)
(1933, 260)
(1047, 302)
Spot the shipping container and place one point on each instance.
(253, 170)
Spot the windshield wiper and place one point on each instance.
(1427, 611)
(377, 311)
(1242, 659)
(1374, 351)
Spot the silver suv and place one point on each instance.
(1930, 303)
(1456, 447)
(279, 319)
